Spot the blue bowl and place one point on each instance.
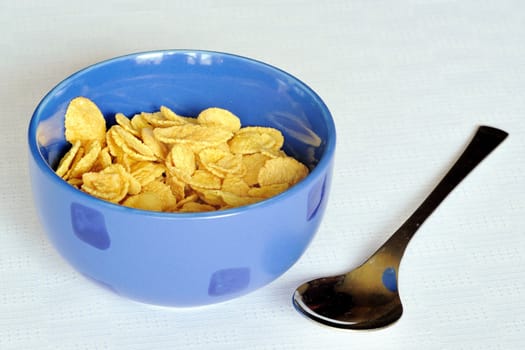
(184, 259)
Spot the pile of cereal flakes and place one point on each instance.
(166, 162)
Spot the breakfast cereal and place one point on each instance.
(162, 161)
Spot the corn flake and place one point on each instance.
(235, 185)
(163, 191)
(268, 191)
(170, 115)
(158, 148)
(125, 123)
(192, 134)
(131, 145)
(138, 122)
(87, 161)
(195, 207)
(211, 197)
(181, 162)
(191, 198)
(220, 118)
(284, 170)
(254, 139)
(220, 162)
(203, 179)
(144, 201)
(145, 172)
(253, 164)
(78, 156)
(67, 159)
(103, 160)
(84, 122)
(177, 186)
(110, 184)
(234, 200)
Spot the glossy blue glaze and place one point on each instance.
(184, 259)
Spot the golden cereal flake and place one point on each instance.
(195, 207)
(268, 191)
(192, 134)
(158, 148)
(87, 161)
(84, 122)
(177, 186)
(65, 163)
(163, 191)
(144, 201)
(103, 160)
(131, 145)
(282, 171)
(145, 172)
(235, 185)
(125, 123)
(234, 200)
(181, 162)
(203, 179)
(220, 162)
(253, 164)
(110, 184)
(254, 139)
(170, 115)
(78, 156)
(138, 122)
(220, 118)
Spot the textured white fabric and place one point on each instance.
(407, 82)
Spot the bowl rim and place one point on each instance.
(324, 162)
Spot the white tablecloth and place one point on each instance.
(407, 83)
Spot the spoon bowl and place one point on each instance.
(367, 297)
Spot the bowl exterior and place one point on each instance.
(178, 260)
(184, 259)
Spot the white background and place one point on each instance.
(407, 82)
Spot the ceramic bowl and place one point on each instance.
(184, 259)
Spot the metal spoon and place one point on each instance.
(367, 297)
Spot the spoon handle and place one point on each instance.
(483, 143)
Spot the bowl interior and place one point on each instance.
(188, 82)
